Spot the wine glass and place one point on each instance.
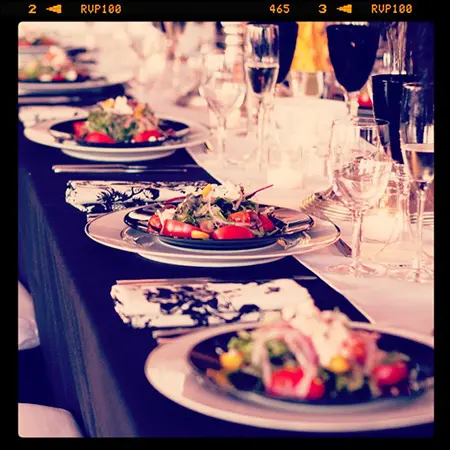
(223, 89)
(147, 43)
(360, 170)
(417, 145)
(352, 49)
(262, 67)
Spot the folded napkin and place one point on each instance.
(95, 197)
(192, 305)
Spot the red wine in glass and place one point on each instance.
(387, 96)
(352, 50)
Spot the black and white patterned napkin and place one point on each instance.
(96, 197)
(194, 305)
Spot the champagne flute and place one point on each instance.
(417, 145)
(352, 49)
(360, 171)
(222, 87)
(262, 67)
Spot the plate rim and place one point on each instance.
(278, 424)
(184, 253)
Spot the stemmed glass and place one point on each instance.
(262, 66)
(417, 145)
(352, 48)
(222, 87)
(360, 171)
(147, 43)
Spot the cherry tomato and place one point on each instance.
(267, 224)
(79, 128)
(242, 216)
(175, 228)
(146, 136)
(99, 138)
(232, 232)
(154, 223)
(389, 374)
(284, 381)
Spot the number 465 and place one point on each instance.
(280, 9)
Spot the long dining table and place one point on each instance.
(96, 362)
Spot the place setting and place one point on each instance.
(259, 252)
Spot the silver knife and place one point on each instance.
(182, 281)
(119, 168)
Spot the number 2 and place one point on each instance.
(322, 9)
(32, 9)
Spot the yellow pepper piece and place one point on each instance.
(195, 234)
(339, 364)
(231, 360)
(206, 190)
(109, 103)
(139, 110)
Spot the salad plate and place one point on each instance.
(169, 370)
(110, 230)
(40, 133)
(221, 218)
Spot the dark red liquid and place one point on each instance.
(352, 51)
(387, 95)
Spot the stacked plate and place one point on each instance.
(179, 371)
(114, 230)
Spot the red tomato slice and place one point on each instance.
(174, 228)
(284, 381)
(99, 138)
(357, 349)
(58, 77)
(389, 374)
(242, 216)
(267, 224)
(154, 223)
(146, 136)
(232, 232)
(79, 128)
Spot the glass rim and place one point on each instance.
(361, 122)
(418, 84)
(263, 25)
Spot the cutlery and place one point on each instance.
(119, 168)
(182, 281)
(208, 147)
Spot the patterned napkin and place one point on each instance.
(193, 305)
(96, 197)
(32, 115)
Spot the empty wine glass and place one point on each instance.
(224, 91)
(262, 66)
(360, 171)
(417, 145)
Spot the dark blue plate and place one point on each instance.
(289, 223)
(205, 357)
(179, 130)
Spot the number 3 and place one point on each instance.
(322, 9)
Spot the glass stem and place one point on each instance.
(351, 99)
(421, 197)
(262, 157)
(357, 219)
(221, 131)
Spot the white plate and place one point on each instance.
(41, 88)
(40, 134)
(110, 230)
(168, 370)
